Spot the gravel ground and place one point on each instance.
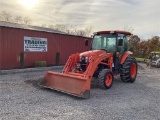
(20, 99)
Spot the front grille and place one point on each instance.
(83, 61)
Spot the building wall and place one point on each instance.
(0, 47)
(12, 44)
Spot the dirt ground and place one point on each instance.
(20, 98)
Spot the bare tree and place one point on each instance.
(71, 29)
(27, 21)
(18, 19)
(61, 27)
(5, 16)
(81, 32)
(88, 30)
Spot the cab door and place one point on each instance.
(121, 48)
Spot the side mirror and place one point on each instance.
(86, 42)
(120, 42)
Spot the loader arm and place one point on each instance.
(95, 61)
(71, 63)
(77, 84)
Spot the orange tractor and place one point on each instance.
(108, 57)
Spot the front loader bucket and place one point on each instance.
(70, 84)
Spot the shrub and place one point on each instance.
(40, 63)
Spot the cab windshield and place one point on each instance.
(104, 41)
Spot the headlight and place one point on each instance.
(86, 59)
(82, 58)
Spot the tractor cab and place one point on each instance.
(111, 41)
(115, 42)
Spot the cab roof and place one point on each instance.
(114, 31)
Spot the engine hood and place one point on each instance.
(92, 53)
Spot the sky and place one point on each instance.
(142, 15)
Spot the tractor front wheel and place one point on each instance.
(129, 70)
(105, 79)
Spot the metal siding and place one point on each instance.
(12, 45)
(0, 47)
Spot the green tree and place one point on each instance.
(133, 44)
(153, 44)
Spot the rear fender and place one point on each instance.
(124, 56)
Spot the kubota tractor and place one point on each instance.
(108, 57)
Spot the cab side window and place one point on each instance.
(125, 43)
(123, 46)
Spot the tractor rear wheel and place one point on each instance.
(129, 70)
(105, 79)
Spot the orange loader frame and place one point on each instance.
(73, 81)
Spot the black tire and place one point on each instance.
(158, 64)
(126, 74)
(105, 79)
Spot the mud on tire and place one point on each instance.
(128, 71)
(105, 79)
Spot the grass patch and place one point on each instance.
(40, 64)
(141, 59)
